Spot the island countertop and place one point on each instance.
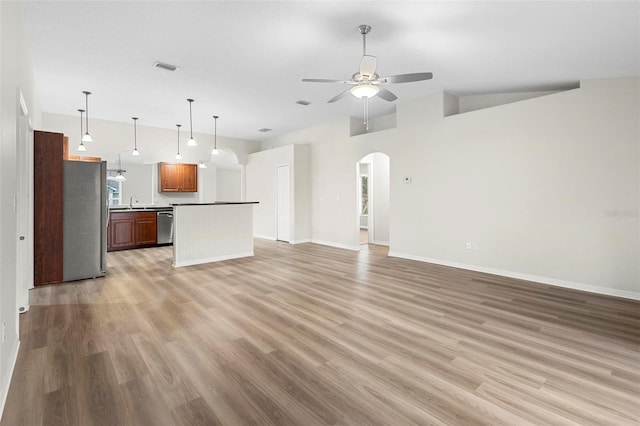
(217, 203)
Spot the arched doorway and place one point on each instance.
(223, 176)
(373, 199)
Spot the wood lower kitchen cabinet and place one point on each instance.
(177, 177)
(128, 230)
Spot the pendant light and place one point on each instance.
(178, 156)
(215, 137)
(87, 137)
(202, 165)
(120, 177)
(135, 137)
(192, 141)
(81, 147)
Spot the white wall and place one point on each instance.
(16, 75)
(261, 187)
(155, 144)
(547, 188)
(113, 142)
(229, 185)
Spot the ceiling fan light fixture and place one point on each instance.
(364, 90)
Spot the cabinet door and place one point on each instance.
(169, 177)
(121, 233)
(146, 231)
(189, 177)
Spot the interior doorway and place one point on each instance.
(373, 199)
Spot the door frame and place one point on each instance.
(290, 202)
(24, 206)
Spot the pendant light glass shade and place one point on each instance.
(135, 137)
(192, 141)
(202, 165)
(178, 156)
(215, 137)
(87, 137)
(81, 147)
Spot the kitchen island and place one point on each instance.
(211, 232)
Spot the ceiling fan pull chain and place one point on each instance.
(366, 113)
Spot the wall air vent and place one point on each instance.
(303, 103)
(164, 66)
(264, 130)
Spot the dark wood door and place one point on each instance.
(169, 177)
(146, 230)
(48, 198)
(189, 177)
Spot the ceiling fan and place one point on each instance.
(366, 83)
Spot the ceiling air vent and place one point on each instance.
(303, 103)
(164, 66)
(264, 130)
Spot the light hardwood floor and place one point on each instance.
(312, 335)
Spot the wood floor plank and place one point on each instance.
(312, 335)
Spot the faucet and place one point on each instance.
(133, 197)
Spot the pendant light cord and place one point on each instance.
(135, 134)
(86, 104)
(178, 126)
(215, 132)
(190, 119)
(81, 134)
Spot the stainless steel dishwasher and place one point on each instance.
(165, 227)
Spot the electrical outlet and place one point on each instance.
(4, 331)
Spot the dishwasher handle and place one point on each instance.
(167, 214)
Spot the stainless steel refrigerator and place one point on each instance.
(85, 220)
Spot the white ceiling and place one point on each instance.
(244, 60)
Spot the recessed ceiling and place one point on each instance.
(244, 60)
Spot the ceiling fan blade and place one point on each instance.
(322, 80)
(387, 95)
(338, 96)
(368, 66)
(407, 78)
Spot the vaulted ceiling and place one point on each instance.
(244, 60)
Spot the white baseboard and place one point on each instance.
(535, 278)
(336, 245)
(301, 241)
(265, 237)
(380, 243)
(5, 386)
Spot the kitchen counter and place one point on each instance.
(211, 232)
(141, 209)
(217, 203)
